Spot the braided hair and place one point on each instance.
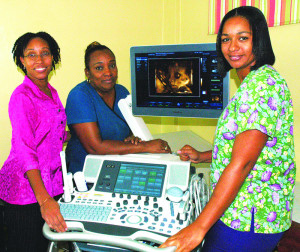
(22, 42)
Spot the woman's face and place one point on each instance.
(37, 60)
(236, 44)
(103, 72)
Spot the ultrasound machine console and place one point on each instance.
(133, 202)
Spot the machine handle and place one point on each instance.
(129, 242)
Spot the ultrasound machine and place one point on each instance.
(131, 201)
(128, 202)
(135, 202)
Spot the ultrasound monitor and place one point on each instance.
(177, 81)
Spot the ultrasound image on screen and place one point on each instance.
(172, 76)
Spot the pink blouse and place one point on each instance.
(38, 133)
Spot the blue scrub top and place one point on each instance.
(84, 104)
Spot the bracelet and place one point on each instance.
(45, 201)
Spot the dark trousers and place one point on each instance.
(23, 224)
(3, 236)
(221, 238)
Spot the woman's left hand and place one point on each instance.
(51, 214)
(133, 139)
(185, 240)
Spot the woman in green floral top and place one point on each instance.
(253, 168)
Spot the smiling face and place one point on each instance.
(37, 60)
(103, 71)
(236, 45)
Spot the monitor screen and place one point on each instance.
(145, 179)
(177, 81)
(141, 179)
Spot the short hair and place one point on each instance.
(261, 42)
(92, 47)
(22, 42)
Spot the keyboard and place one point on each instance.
(95, 213)
(125, 214)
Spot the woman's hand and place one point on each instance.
(188, 153)
(157, 146)
(185, 240)
(51, 214)
(132, 139)
(48, 206)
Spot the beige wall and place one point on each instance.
(121, 24)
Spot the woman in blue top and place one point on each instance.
(253, 158)
(95, 121)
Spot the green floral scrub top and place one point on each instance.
(263, 102)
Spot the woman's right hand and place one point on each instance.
(157, 146)
(51, 214)
(188, 153)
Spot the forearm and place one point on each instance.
(115, 147)
(205, 157)
(37, 185)
(90, 138)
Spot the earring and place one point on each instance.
(88, 81)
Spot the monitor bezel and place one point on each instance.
(174, 112)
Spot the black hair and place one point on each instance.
(261, 42)
(92, 47)
(22, 42)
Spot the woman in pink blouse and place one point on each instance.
(31, 177)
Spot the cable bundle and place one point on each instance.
(199, 193)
